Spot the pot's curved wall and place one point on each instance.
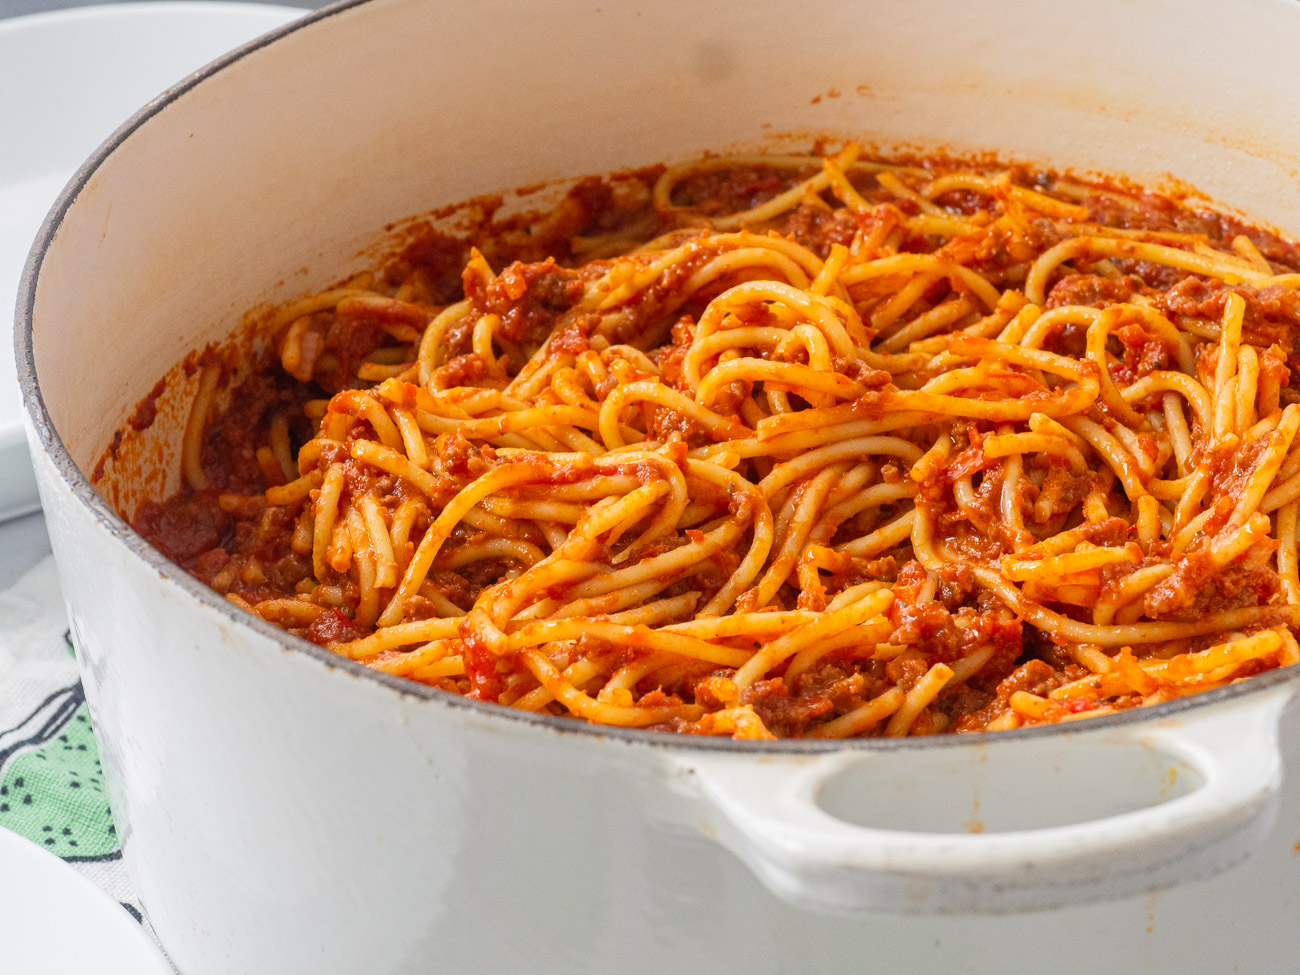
(285, 818)
(272, 177)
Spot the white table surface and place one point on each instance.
(23, 541)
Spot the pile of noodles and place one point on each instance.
(896, 450)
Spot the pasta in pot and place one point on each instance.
(789, 446)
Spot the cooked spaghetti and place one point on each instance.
(780, 446)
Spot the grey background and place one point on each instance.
(16, 8)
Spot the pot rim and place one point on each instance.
(77, 482)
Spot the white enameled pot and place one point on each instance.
(284, 811)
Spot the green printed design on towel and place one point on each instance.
(53, 792)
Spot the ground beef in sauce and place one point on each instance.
(532, 273)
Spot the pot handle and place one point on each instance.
(765, 810)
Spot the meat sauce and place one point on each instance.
(536, 280)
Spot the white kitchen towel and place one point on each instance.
(51, 784)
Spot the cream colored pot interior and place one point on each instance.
(282, 200)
